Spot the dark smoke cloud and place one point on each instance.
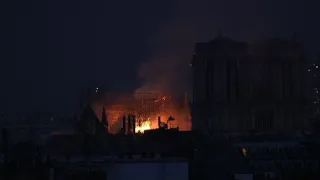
(167, 70)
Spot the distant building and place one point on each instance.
(89, 122)
(37, 128)
(314, 76)
(165, 154)
(238, 88)
(279, 157)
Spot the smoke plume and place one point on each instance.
(167, 71)
(199, 21)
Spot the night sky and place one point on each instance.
(51, 51)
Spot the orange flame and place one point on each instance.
(140, 128)
(163, 106)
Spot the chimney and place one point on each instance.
(129, 124)
(134, 123)
(124, 129)
(159, 122)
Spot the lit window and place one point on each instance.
(244, 151)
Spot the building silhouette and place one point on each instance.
(314, 75)
(87, 121)
(239, 88)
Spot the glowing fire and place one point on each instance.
(147, 109)
(162, 100)
(147, 125)
(140, 128)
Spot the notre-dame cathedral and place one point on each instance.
(239, 88)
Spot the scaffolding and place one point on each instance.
(147, 107)
(142, 105)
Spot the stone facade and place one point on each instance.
(238, 88)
